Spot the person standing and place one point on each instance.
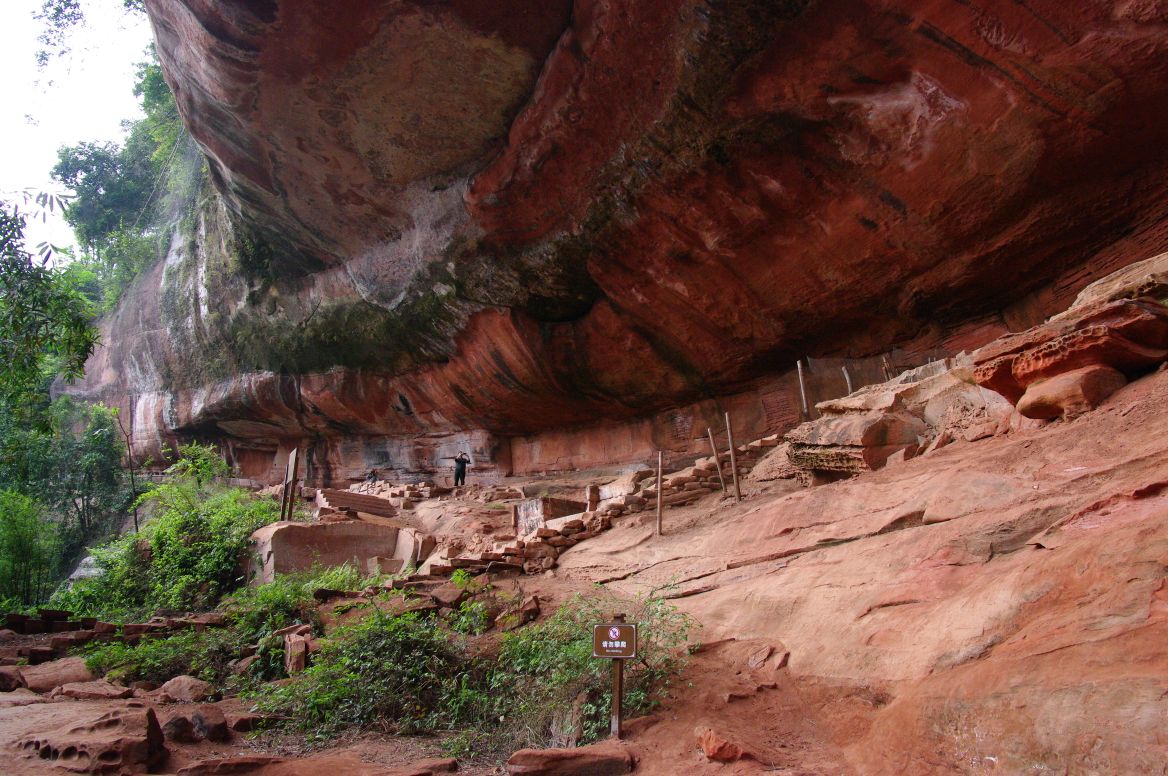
(460, 462)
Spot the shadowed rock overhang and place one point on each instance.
(524, 215)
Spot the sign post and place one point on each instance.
(615, 641)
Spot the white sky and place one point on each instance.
(85, 94)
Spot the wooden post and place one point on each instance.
(618, 678)
(802, 393)
(288, 496)
(717, 458)
(660, 462)
(733, 459)
(847, 378)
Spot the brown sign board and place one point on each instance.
(614, 640)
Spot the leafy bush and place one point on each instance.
(186, 558)
(409, 675)
(205, 655)
(545, 674)
(254, 614)
(471, 617)
(387, 671)
(71, 465)
(44, 321)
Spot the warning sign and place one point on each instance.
(616, 640)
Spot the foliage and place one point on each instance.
(111, 185)
(200, 463)
(389, 671)
(44, 322)
(470, 617)
(71, 463)
(408, 675)
(124, 195)
(461, 579)
(60, 17)
(545, 671)
(205, 655)
(28, 549)
(254, 615)
(39, 205)
(186, 558)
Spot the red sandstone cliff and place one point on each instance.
(444, 225)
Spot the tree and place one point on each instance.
(28, 550)
(121, 192)
(60, 17)
(72, 465)
(111, 187)
(44, 322)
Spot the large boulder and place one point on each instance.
(718, 747)
(11, 679)
(287, 547)
(98, 690)
(187, 724)
(125, 738)
(47, 676)
(187, 689)
(864, 430)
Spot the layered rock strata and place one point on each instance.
(1117, 329)
(921, 409)
(434, 219)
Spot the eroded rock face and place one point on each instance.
(47, 676)
(1117, 328)
(122, 739)
(893, 421)
(287, 547)
(529, 215)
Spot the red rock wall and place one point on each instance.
(529, 216)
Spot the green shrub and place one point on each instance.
(204, 655)
(545, 672)
(387, 671)
(186, 558)
(254, 614)
(408, 675)
(343, 577)
(471, 617)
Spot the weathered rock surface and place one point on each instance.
(319, 765)
(187, 689)
(46, 676)
(604, 759)
(1117, 328)
(542, 215)
(1071, 393)
(123, 738)
(205, 722)
(893, 421)
(285, 547)
(717, 747)
(99, 689)
(996, 605)
(11, 679)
